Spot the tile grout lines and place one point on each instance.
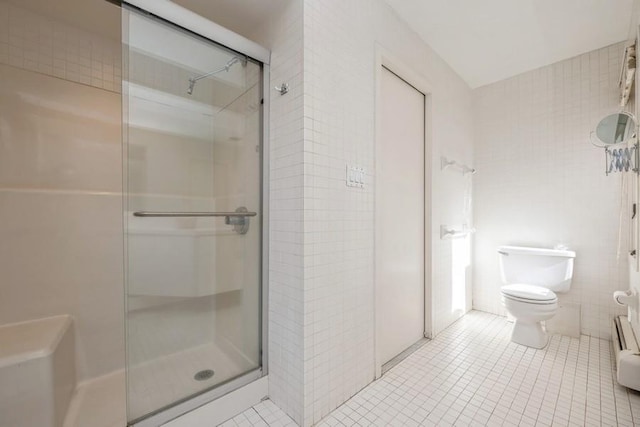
(471, 374)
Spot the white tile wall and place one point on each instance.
(282, 33)
(540, 182)
(339, 130)
(321, 284)
(36, 42)
(340, 40)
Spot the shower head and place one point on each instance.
(227, 66)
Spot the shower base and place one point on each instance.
(155, 384)
(169, 379)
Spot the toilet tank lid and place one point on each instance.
(523, 250)
(528, 292)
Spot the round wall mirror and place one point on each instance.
(616, 128)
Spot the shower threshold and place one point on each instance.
(399, 358)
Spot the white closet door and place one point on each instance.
(400, 213)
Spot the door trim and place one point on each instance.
(407, 73)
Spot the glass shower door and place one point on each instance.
(192, 118)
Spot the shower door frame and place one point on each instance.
(197, 26)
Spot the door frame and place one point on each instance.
(386, 59)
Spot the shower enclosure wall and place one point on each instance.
(61, 235)
(131, 205)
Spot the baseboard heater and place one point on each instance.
(627, 353)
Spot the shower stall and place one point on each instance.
(132, 212)
(194, 216)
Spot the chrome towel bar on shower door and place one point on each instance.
(192, 214)
(239, 219)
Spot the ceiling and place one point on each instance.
(483, 41)
(490, 40)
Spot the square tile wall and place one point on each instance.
(321, 330)
(281, 32)
(39, 43)
(340, 41)
(540, 182)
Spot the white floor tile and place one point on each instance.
(472, 374)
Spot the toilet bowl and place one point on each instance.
(532, 277)
(529, 305)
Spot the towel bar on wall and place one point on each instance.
(452, 233)
(621, 159)
(446, 163)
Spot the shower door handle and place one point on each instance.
(148, 214)
(239, 219)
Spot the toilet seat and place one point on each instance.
(530, 294)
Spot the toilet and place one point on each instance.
(532, 277)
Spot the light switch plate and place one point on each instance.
(355, 176)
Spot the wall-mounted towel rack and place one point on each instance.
(446, 163)
(450, 232)
(622, 159)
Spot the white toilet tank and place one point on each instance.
(549, 268)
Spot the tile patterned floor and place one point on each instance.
(472, 375)
(264, 414)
